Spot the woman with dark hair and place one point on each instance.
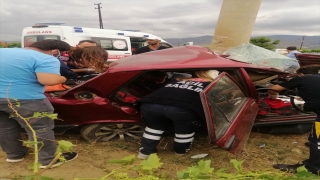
(87, 60)
(79, 62)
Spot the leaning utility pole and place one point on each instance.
(235, 24)
(100, 18)
(302, 42)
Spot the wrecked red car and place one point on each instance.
(308, 59)
(104, 106)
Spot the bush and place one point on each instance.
(309, 50)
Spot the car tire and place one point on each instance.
(112, 131)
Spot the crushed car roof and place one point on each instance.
(184, 57)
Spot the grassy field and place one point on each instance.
(261, 152)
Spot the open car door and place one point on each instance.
(229, 112)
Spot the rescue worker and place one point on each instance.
(177, 101)
(309, 91)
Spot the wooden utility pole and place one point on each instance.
(100, 18)
(302, 42)
(235, 24)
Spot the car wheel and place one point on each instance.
(111, 131)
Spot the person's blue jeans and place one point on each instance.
(155, 117)
(10, 128)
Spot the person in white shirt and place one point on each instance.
(291, 51)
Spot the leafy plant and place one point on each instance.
(146, 170)
(200, 171)
(204, 171)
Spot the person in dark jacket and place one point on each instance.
(153, 45)
(178, 101)
(308, 87)
(64, 69)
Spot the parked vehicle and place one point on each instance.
(118, 43)
(308, 59)
(104, 106)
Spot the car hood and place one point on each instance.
(183, 57)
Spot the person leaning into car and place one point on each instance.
(309, 91)
(24, 75)
(178, 101)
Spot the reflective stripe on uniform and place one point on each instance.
(183, 140)
(184, 135)
(152, 137)
(317, 128)
(153, 130)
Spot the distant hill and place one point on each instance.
(311, 42)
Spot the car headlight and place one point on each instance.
(84, 95)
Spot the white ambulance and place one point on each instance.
(118, 43)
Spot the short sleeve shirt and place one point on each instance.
(18, 68)
(308, 89)
(291, 54)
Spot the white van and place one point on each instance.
(119, 44)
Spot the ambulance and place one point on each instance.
(118, 43)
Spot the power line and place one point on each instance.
(100, 18)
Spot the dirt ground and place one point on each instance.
(262, 150)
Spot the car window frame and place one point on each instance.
(228, 140)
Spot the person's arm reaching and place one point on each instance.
(47, 71)
(274, 91)
(48, 79)
(86, 70)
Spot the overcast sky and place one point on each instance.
(165, 18)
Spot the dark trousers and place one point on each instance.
(10, 128)
(155, 117)
(313, 163)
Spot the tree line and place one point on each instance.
(10, 45)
